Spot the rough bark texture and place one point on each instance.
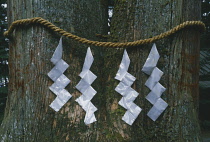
(28, 116)
(141, 19)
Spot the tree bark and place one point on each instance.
(179, 61)
(28, 116)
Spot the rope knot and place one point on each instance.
(6, 33)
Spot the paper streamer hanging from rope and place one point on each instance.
(60, 80)
(128, 93)
(159, 105)
(84, 86)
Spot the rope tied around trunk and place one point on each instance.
(38, 20)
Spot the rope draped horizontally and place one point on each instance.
(38, 20)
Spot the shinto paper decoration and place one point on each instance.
(128, 93)
(60, 80)
(159, 105)
(84, 86)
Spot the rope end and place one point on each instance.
(6, 34)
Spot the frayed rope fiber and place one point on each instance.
(38, 20)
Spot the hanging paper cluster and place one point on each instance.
(159, 105)
(128, 93)
(84, 86)
(60, 80)
(123, 88)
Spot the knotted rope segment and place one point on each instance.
(38, 20)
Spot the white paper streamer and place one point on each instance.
(128, 93)
(60, 80)
(84, 86)
(151, 61)
(159, 105)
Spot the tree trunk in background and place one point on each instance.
(139, 19)
(28, 116)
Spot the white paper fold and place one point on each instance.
(154, 78)
(151, 61)
(159, 105)
(123, 66)
(60, 80)
(84, 86)
(128, 93)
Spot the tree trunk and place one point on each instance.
(179, 61)
(28, 116)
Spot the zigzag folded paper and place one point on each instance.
(128, 93)
(60, 80)
(84, 86)
(159, 105)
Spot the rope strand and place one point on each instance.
(47, 24)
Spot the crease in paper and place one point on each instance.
(84, 86)
(128, 93)
(154, 97)
(60, 80)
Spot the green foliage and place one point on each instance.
(205, 42)
(3, 59)
(205, 125)
(3, 90)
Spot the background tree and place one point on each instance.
(28, 116)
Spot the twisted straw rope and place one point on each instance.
(45, 23)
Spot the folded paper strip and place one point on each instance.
(60, 80)
(128, 93)
(159, 105)
(84, 86)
